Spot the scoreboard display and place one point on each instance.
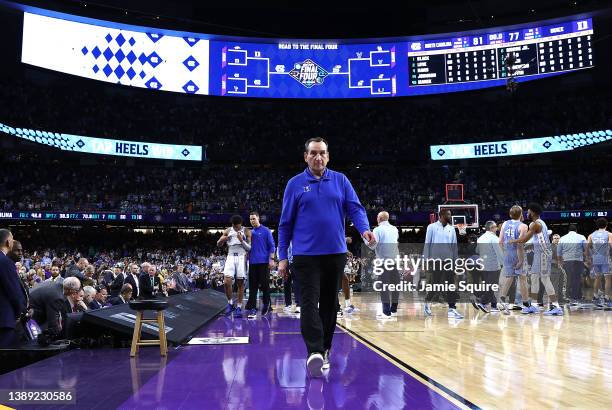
(533, 51)
(195, 63)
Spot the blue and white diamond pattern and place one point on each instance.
(122, 57)
(190, 87)
(191, 63)
(143, 59)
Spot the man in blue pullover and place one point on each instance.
(315, 205)
(261, 260)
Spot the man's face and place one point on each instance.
(135, 269)
(101, 296)
(9, 242)
(17, 251)
(74, 295)
(82, 263)
(118, 270)
(55, 271)
(152, 270)
(530, 215)
(87, 298)
(127, 295)
(180, 268)
(555, 239)
(317, 156)
(445, 216)
(254, 219)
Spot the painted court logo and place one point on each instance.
(308, 73)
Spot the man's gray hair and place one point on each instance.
(315, 139)
(89, 290)
(72, 283)
(490, 224)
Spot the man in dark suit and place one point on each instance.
(149, 283)
(99, 299)
(51, 303)
(131, 277)
(124, 296)
(16, 255)
(118, 280)
(180, 279)
(12, 299)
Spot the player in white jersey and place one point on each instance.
(347, 278)
(514, 257)
(542, 261)
(238, 241)
(598, 249)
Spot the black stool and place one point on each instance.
(140, 306)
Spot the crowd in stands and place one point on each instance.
(255, 146)
(237, 129)
(37, 183)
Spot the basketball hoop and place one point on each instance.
(462, 229)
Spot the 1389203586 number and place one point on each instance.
(37, 396)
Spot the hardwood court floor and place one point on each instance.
(496, 361)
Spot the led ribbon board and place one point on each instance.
(145, 59)
(278, 68)
(103, 146)
(519, 147)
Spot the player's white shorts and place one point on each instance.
(542, 264)
(235, 266)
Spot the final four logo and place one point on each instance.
(308, 73)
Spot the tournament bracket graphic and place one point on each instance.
(303, 70)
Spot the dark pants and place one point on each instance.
(389, 298)
(259, 278)
(440, 277)
(489, 278)
(7, 337)
(556, 278)
(319, 278)
(291, 284)
(574, 270)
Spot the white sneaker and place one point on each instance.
(350, 309)
(315, 365)
(287, 309)
(394, 314)
(382, 316)
(325, 360)
(505, 309)
(297, 310)
(494, 310)
(452, 313)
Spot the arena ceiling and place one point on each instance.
(323, 20)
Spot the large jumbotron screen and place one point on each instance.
(228, 66)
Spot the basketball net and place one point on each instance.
(462, 229)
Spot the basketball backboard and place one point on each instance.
(466, 214)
